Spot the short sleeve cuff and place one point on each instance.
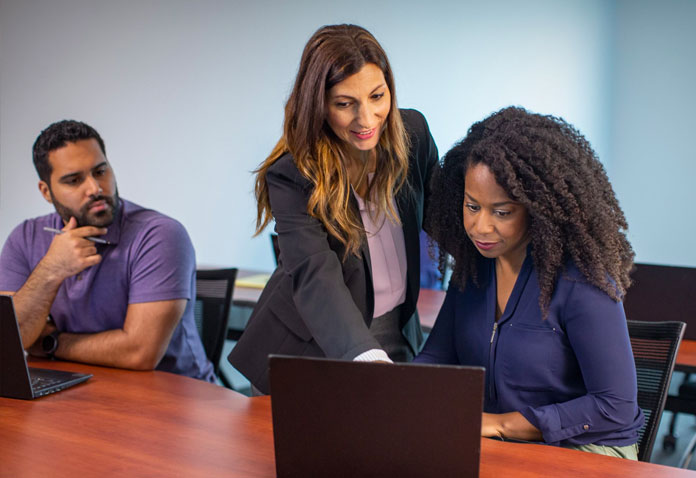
(373, 355)
(154, 296)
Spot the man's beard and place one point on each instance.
(84, 218)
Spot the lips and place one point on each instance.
(485, 246)
(366, 134)
(97, 206)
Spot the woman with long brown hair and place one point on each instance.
(346, 186)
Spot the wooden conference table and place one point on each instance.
(125, 423)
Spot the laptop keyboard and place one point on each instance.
(43, 385)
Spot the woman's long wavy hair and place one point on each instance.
(334, 53)
(546, 165)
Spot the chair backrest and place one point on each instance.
(660, 293)
(655, 346)
(212, 309)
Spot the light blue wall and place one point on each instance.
(189, 94)
(654, 126)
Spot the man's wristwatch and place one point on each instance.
(49, 344)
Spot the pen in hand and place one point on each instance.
(89, 238)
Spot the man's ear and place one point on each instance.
(45, 191)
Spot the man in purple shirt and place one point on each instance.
(114, 285)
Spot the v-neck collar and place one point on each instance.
(517, 290)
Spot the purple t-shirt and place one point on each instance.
(150, 258)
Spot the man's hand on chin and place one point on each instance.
(71, 252)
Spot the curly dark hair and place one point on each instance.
(546, 165)
(56, 136)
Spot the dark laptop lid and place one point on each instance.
(14, 375)
(15, 378)
(336, 418)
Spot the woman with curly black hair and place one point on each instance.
(541, 263)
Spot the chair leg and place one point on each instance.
(688, 454)
(669, 442)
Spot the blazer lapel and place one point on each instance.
(367, 263)
(409, 221)
(364, 248)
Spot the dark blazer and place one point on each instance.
(315, 304)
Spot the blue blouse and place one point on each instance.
(571, 375)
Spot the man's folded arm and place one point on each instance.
(139, 345)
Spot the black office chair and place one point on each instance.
(655, 346)
(212, 312)
(661, 292)
(683, 402)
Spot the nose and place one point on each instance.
(93, 188)
(364, 115)
(484, 224)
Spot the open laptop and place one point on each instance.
(335, 418)
(16, 379)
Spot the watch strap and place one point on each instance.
(49, 344)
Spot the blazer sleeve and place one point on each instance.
(319, 292)
(597, 331)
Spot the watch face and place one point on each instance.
(49, 344)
